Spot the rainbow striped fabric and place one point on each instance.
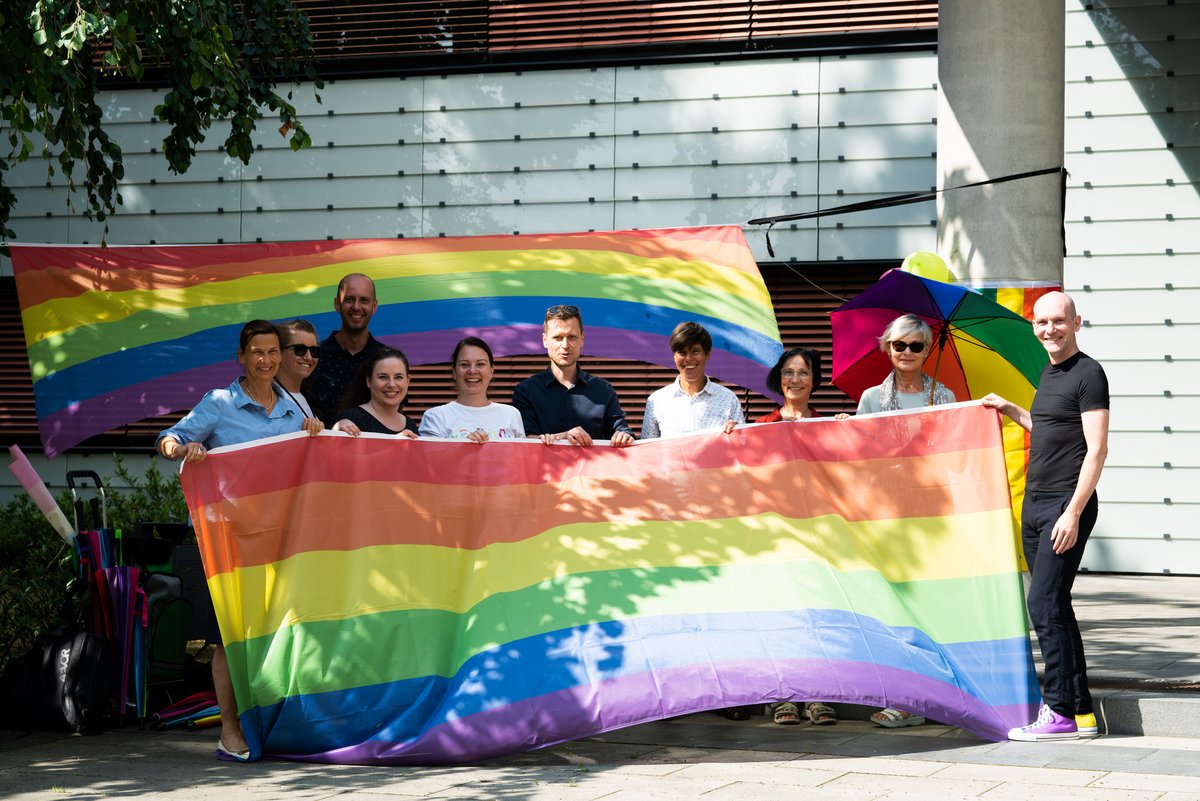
(119, 334)
(417, 602)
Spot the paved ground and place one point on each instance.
(1143, 636)
(702, 756)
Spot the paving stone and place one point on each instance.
(1147, 781)
(788, 774)
(1011, 773)
(1019, 791)
(868, 765)
(1174, 763)
(926, 787)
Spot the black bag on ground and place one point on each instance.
(63, 684)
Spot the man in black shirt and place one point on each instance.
(343, 351)
(563, 402)
(1068, 428)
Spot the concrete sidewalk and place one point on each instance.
(1142, 639)
(701, 756)
(1142, 635)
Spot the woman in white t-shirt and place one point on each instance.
(472, 416)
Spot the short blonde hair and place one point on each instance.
(903, 326)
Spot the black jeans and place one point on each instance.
(1064, 684)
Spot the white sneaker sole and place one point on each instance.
(1028, 737)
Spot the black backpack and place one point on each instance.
(61, 684)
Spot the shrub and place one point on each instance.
(37, 569)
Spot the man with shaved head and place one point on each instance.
(343, 351)
(1068, 442)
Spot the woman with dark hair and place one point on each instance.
(373, 402)
(794, 376)
(471, 416)
(300, 355)
(250, 408)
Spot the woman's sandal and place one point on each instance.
(735, 713)
(820, 714)
(787, 714)
(895, 719)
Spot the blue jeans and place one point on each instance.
(1064, 683)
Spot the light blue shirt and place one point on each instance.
(230, 416)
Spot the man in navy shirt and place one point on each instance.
(564, 403)
(1068, 442)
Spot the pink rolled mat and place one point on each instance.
(33, 484)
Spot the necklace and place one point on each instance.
(267, 404)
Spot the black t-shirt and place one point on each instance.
(335, 370)
(1056, 444)
(369, 423)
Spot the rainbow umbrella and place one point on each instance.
(978, 345)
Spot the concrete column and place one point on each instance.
(1000, 111)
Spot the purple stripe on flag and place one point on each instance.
(588, 710)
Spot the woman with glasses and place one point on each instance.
(794, 376)
(907, 341)
(300, 354)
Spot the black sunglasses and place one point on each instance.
(300, 350)
(900, 347)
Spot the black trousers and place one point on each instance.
(1064, 685)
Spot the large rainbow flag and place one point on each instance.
(119, 334)
(400, 602)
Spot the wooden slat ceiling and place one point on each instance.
(352, 31)
(803, 296)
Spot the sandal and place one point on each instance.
(820, 714)
(895, 719)
(787, 714)
(735, 713)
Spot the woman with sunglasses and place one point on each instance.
(300, 354)
(906, 341)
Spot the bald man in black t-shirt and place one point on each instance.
(1068, 442)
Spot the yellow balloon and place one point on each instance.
(928, 265)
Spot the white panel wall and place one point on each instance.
(1133, 235)
(566, 150)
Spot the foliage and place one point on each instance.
(36, 576)
(152, 497)
(218, 59)
(37, 580)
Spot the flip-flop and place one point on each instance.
(225, 755)
(895, 719)
(787, 714)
